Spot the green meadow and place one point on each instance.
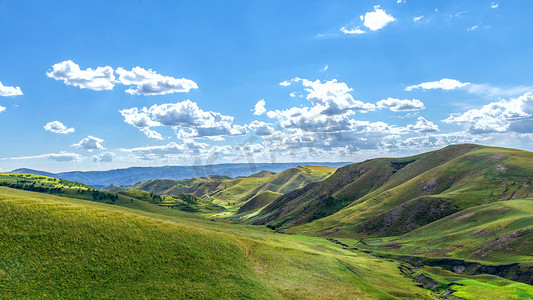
(456, 223)
(58, 248)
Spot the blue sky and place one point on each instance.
(94, 85)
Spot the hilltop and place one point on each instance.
(392, 196)
(234, 192)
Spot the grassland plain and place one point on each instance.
(58, 248)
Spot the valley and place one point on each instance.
(455, 223)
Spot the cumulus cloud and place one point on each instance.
(261, 128)
(499, 116)
(138, 118)
(103, 157)
(259, 108)
(2, 108)
(377, 19)
(494, 5)
(373, 20)
(416, 19)
(182, 115)
(90, 143)
(101, 78)
(444, 84)
(285, 83)
(423, 125)
(9, 91)
(148, 82)
(57, 127)
(152, 134)
(401, 105)
(332, 97)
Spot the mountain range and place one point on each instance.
(129, 176)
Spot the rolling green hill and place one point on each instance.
(456, 222)
(234, 192)
(499, 232)
(384, 197)
(62, 248)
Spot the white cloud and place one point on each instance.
(494, 5)
(325, 68)
(332, 97)
(62, 156)
(57, 127)
(472, 28)
(285, 83)
(401, 105)
(171, 147)
(182, 115)
(261, 128)
(100, 79)
(103, 157)
(90, 143)
(148, 82)
(9, 91)
(259, 108)
(500, 116)
(187, 114)
(2, 108)
(152, 134)
(356, 30)
(423, 125)
(400, 1)
(138, 118)
(416, 19)
(377, 19)
(444, 84)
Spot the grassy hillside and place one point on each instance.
(500, 232)
(56, 247)
(384, 197)
(234, 192)
(183, 202)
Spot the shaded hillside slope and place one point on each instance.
(56, 247)
(394, 196)
(499, 232)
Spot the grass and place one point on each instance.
(55, 247)
(499, 232)
(376, 197)
(478, 286)
(232, 193)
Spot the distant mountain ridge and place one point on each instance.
(134, 175)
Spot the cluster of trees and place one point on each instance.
(156, 198)
(99, 195)
(31, 187)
